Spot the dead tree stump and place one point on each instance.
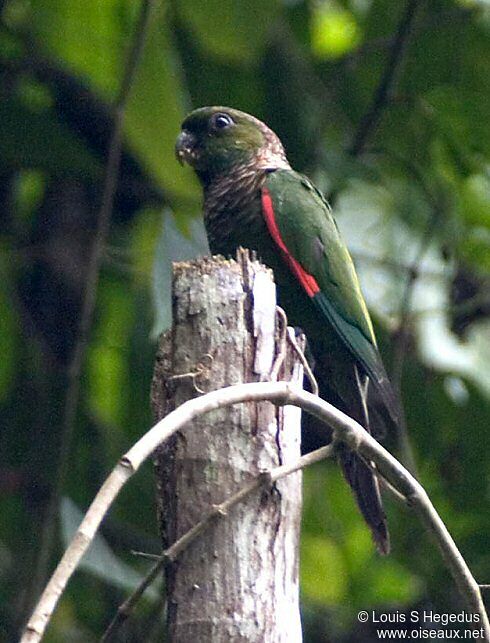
(239, 581)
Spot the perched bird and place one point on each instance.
(253, 198)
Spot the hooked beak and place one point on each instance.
(186, 148)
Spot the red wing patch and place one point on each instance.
(307, 281)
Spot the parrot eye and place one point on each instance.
(221, 121)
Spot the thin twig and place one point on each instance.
(413, 272)
(345, 429)
(367, 126)
(304, 362)
(278, 362)
(144, 554)
(386, 484)
(90, 293)
(396, 266)
(383, 92)
(201, 370)
(265, 478)
(400, 344)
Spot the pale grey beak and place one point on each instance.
(185, 147)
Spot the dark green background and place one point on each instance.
(414, 202)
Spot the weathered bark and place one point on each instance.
(239, 581)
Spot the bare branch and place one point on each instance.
(280, 357)
(265, 478)
(304, 362)
(402, 335)
(90, 292)
(382, 95)
(346, 430)
(397, 266)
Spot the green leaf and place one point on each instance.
(334, 32)
(392, 584)
(323, 573)
(92, 40)
(88, 37)
(35, 139)
(475, 248)
(100, 560)
(156, 111)
(143, 239)
(29, 192)
(462, 116)
(475, 200)
(108, 376)
(228, 29)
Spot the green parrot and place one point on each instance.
(253, 198)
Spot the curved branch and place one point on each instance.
(90, 291)
(266, 478)
(345, 429)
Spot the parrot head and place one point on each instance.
(215, 140)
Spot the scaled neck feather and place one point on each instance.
(243, 179)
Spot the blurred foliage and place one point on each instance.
(414, 207)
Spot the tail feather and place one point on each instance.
(365, 486)
(348, 387)
(361, 477)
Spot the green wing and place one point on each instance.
(311, 236)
